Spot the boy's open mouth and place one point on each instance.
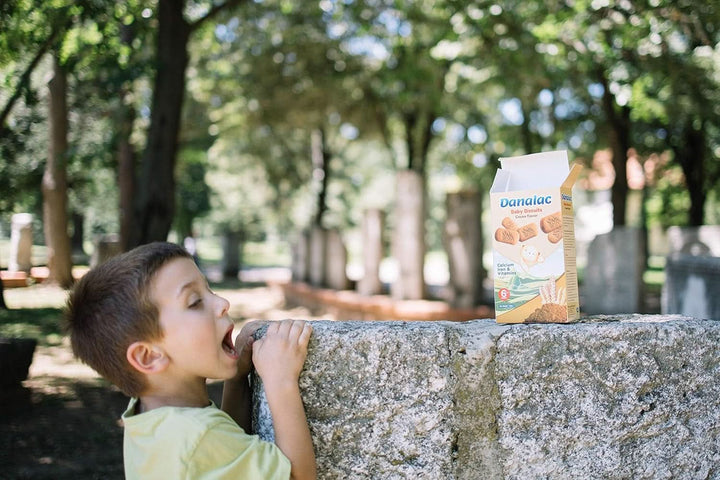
(227, 344)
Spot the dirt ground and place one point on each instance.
(64, 422)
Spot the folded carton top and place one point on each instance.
(538, 170)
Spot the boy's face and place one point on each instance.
(197, 330)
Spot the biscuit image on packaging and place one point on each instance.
(551, 222)
(527, 231)
(553, 307)
(509, 223)
(555, 236)
(504, 235)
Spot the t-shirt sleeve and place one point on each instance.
(226, 452)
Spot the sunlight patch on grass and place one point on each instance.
(42, 324)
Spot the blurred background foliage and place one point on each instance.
(301, 112)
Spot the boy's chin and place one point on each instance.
(232, 374)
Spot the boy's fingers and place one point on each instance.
(273, 328)
(251, 327)
(305, 334)
(285, 327)
(296, 328)
(246, 335)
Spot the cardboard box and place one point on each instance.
(534, 266)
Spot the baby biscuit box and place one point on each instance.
(534, 239)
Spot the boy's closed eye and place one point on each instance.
(195, 303)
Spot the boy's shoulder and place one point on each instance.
(175, 419)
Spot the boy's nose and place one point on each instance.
(222, 305)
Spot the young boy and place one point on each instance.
(148, 322)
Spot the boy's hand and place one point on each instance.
(236, 391)
(244, 346)
(279, 356)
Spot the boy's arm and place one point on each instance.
(237, 396)
(279, 357)
(237, 401)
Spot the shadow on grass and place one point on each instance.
(62, 428)
(42, 324)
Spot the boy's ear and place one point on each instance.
(147, 358)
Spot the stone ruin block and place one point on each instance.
(620, 397)
(21, 241)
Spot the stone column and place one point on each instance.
(21, 241)
(691, 287)
(372, 252)
(106, 247)
(462, 236)
(316, 275)
(409, 237)
(335, 261)
(703, 240)
(300, 256)
(232, 254)
(613, 281)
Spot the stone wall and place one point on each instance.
(611, 397)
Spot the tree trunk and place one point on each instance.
(409, 245)
(320, 155)
(620, 144)
(54, 183)
(525, 131)
(232, 244)
(126, 175)
(155, 198)
(691, 156)
(78, 236)
(418, 132)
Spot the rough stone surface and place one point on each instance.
(619, 397)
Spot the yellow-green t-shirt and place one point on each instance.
(196, 443)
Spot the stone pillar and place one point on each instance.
(21, 241)
(691, 286)
(613, 281)
(316, 275)
(335, 261)
(232, 254)
(408, 247)
(300, 257)
(106, 247)
(373, 224)
(462, 236)
(704, 240)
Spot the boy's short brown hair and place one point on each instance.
(110, 308)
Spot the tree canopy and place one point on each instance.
(297, 110)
